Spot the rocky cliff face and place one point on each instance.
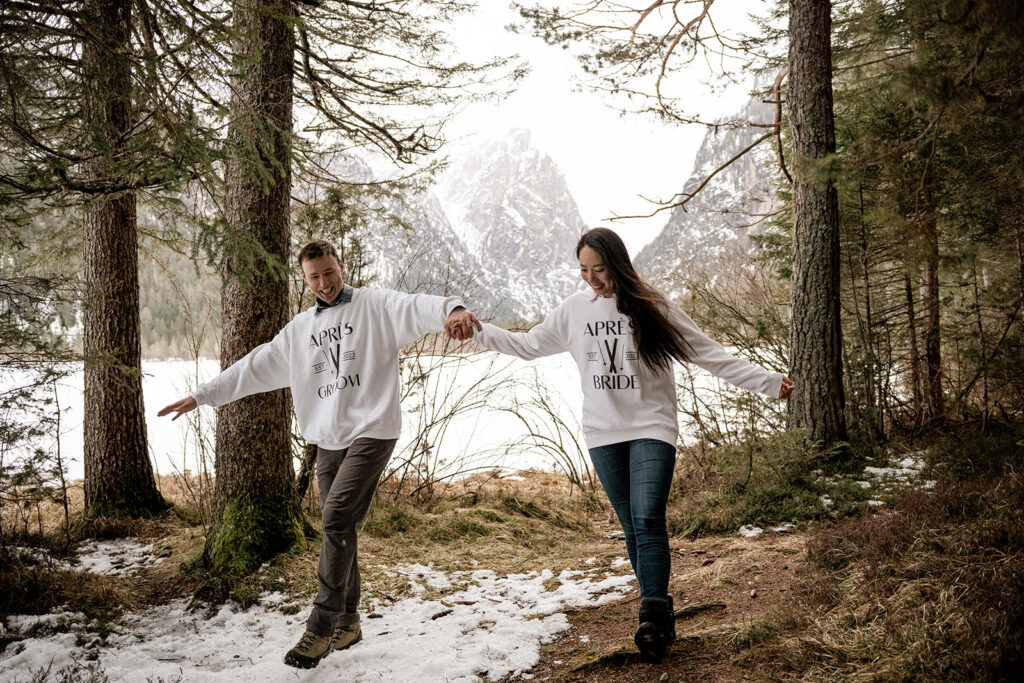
(511, 207)
(501, 225)
(499, 229)
(726, 210)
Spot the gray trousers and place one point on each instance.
(347, 480)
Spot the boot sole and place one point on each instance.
(650, 642)
(301, 662)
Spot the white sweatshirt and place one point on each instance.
(622, 399)
(341, 364)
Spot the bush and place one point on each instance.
(762, 482)
(929, 588)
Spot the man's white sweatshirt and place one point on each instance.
(622, 399)
(341, 364)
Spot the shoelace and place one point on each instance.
(307, 639)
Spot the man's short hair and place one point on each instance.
(316, 249)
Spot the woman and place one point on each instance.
(624, 335)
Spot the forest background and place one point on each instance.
(184, 150)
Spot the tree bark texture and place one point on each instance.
(935, 404)
(255, 513)
(118, 473)
(917, 396)
(817, 405)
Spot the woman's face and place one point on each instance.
(595, 274)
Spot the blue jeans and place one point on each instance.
(637, 476)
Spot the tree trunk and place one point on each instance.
(815, 336)
(256, 514)
(873, 379)
(935, 404)
(917, 396)
(118, 473)
(983, 361)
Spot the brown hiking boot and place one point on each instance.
(346, 636)
(309, 651)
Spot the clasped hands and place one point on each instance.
(460, 324)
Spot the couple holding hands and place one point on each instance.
(340, 360)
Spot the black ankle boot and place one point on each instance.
(657, 629)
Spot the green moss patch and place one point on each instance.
(251, 532)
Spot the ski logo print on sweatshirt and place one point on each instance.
(331, 358)
(610, 336)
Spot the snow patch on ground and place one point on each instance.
(747, 531)
(119, 557)
(905, 474)
(484, 625)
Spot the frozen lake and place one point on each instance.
(478, 391)
(461, 413)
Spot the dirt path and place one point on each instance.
(726, 588)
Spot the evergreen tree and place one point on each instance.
(256, 514)
(90, 119)
(926, 102)
(816, 336)
(118, 474)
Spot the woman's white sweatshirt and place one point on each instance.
(341, 364)
(622, 399)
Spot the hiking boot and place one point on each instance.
(657, 629)
(346, 636)
(309, 651)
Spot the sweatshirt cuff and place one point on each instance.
(451, 303)
(774, 384)
(200, 397)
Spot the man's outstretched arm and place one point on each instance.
(265, 368)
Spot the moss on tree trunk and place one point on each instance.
(252, 531)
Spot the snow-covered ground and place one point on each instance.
(118, 557)
(907, 473)
(456, 626)
(481, 435)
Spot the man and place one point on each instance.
(340, 359)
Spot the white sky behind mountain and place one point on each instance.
(610, 162)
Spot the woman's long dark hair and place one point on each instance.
(658, 341)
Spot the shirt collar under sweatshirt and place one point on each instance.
(343, 298)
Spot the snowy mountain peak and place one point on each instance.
(718, 219)
(511, 206)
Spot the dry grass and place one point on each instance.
(762, 483)
(929, 589)
(43, 524)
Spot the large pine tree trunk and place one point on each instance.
(815, 336)
(256, 513)
(118, 473)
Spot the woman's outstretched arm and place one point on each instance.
(544, 339)
(710, 355)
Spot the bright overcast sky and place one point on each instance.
(609, 161)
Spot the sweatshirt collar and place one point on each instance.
(343, 298)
